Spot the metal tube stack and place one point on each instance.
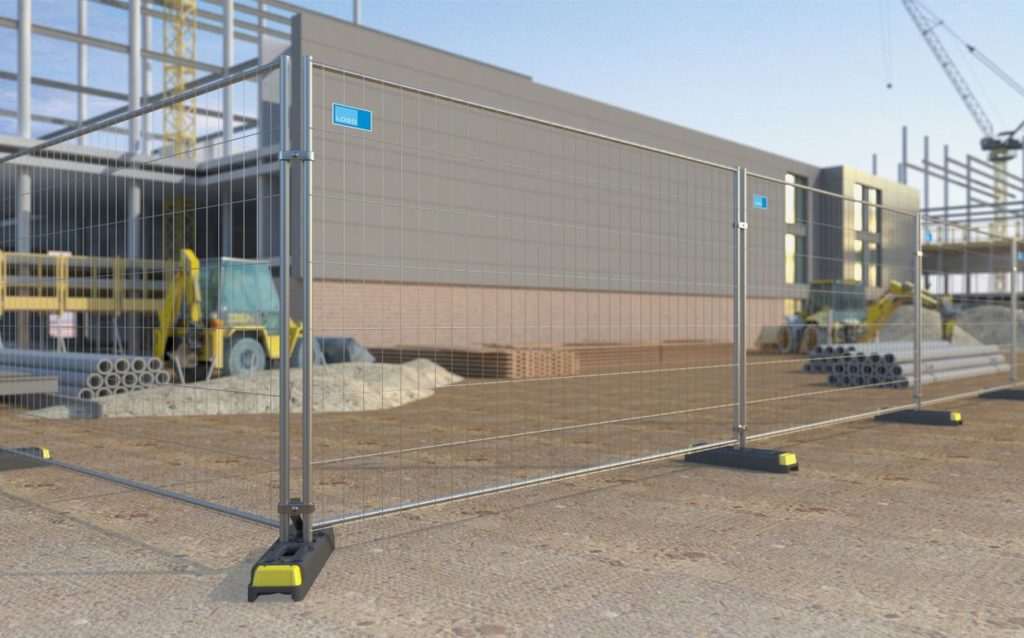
(87, 376)
(891, 364)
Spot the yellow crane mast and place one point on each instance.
(179, 126)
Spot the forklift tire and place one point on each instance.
(244, 355)
(811, 338)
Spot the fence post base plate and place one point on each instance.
(1009, 394)
(923, 417)
(291, 567)
(748, 459)
(22, 458)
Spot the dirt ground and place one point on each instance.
(886, 529)
(475, 434)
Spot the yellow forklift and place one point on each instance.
(212, 316)
(222, 316)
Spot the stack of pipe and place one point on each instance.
(87, 376)
(891, 364)
(822, 358)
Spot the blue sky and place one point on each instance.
(805, 79)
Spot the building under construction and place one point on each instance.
(202, 173)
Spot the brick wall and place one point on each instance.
(389, 314)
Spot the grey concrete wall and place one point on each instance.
(446, 193)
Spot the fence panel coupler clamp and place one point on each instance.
(295, 156)
(291, 566)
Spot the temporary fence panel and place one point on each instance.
(539, 301)
(474, 299)
(836, 277)
(138, 279)
(968, 273)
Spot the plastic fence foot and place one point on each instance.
(748, 459)
(923, 417)
(290, 567)
(22, 457)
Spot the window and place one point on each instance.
(858, 207)
(858, 260)
(874, 264)
(796, 259)
(866, 213)
(873, 213)
(796, 199)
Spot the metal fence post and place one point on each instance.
(307, 296)
(916, 414)
(284, 274)
(918, 315)
(739, 423)
(1014, 259)
(292, 563)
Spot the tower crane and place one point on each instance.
(179, 128)
(999, 146)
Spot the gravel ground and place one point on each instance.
(887, 530)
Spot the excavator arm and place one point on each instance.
(182, 304)
(880, 312)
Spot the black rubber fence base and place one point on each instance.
(22, 458)
(923, 417)
(291, 567)
(1010, 394)
(748, 459)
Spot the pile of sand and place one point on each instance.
(991, 324)
(900, 327)
(340, 387)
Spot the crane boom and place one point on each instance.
(995, 68)
(927, 28)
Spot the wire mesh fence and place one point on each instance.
(841, 272)
(537, 300)
(138, 296)
(969, 273)
(473, 299)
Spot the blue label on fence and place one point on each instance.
(761, 201)
(1020, 256)
(352, 117)
(928, 236)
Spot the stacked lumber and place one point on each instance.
(558, 360)
(610, 357)
(485, 362)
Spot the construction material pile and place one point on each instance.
(337, 387)
(991, 324)
(900, 327)
(891, 364)
(87, 376)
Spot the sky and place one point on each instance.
(805, 79)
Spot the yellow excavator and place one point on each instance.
(838, 312)
(899, 294)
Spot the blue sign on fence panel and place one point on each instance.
(352, 117)
(928, 236)
(761, 201)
